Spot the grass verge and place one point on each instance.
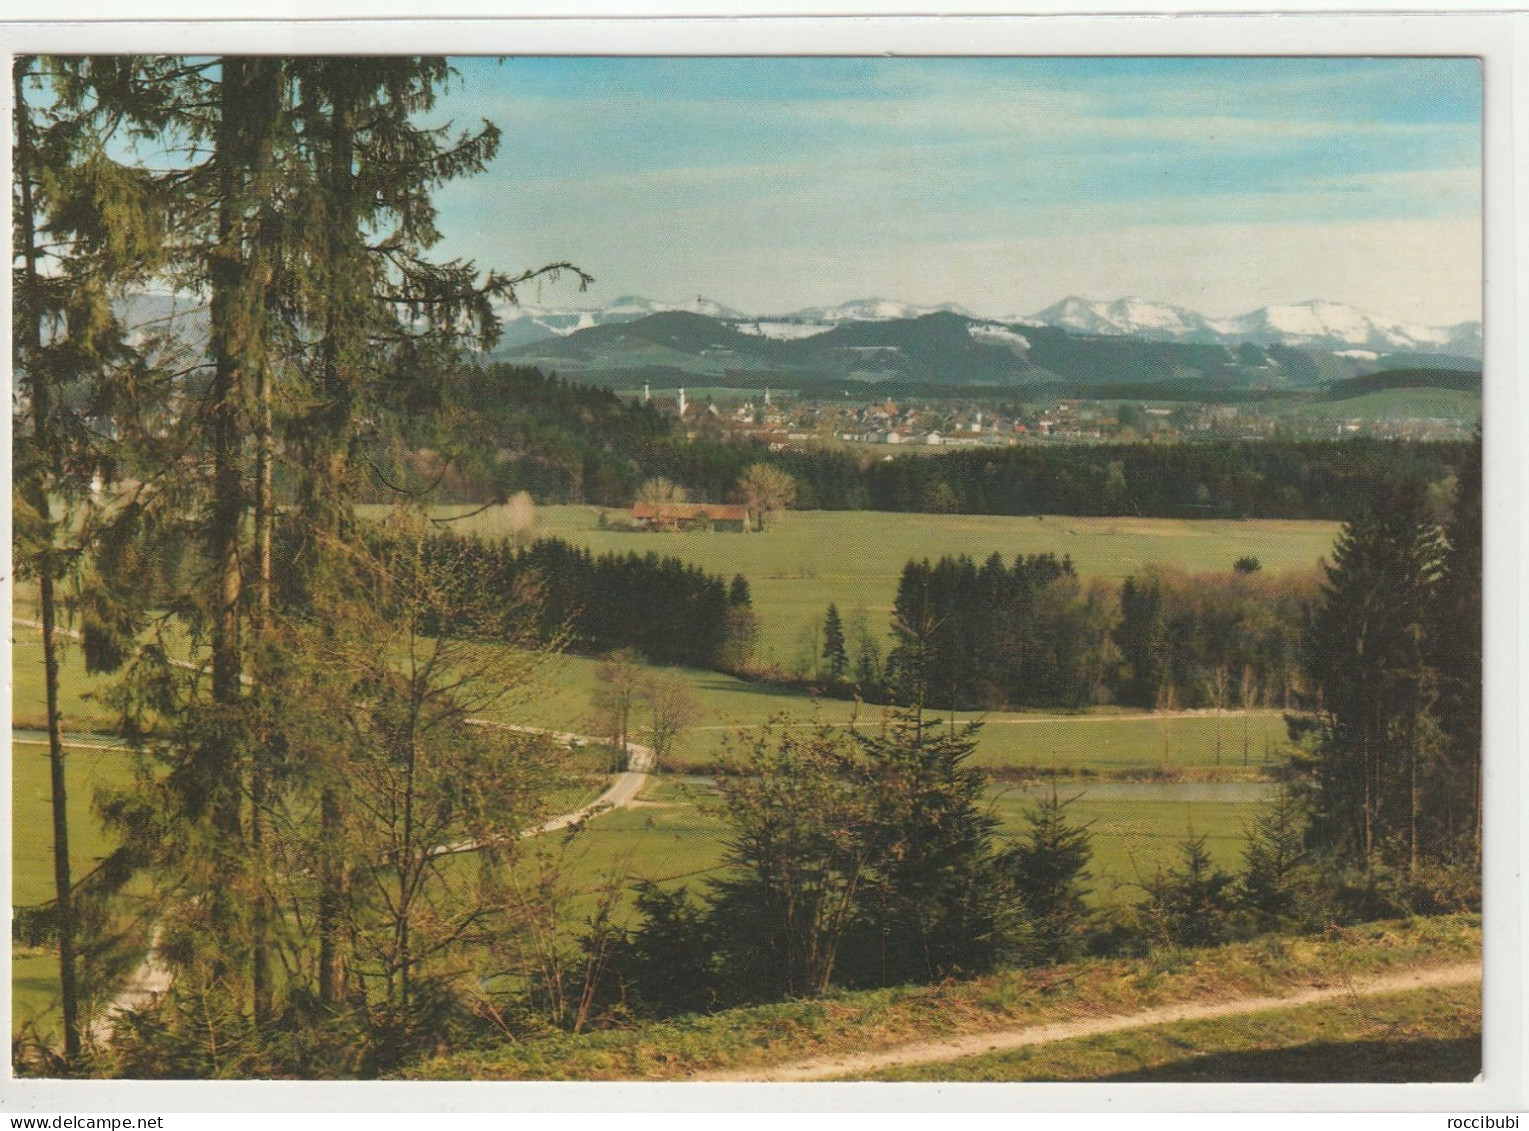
(1431, 1034)
(761, 1036)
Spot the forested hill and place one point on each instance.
(499, 429)
(502, 429)
(1464, 381)
(938, 350)
(1215, 479)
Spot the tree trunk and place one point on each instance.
(330, 888)
(261, 912)
(241, 271)
(42, 408)
(240, 277)
(1412, 803)
(340, 356)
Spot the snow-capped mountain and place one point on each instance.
(868, 310)
(527, 322)
(1334, 325)
(1317, 323)
(812, 320)
(1126, 317)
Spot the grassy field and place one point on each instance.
(1100, 742)
(88, 769)
(804, 561)
(1087, 747)
(807, 559)
(675, 833)
(1454, 405)
(79, 694)
(669, 836)
(1431, 1034)
(841, 1023)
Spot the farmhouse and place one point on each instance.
(690, 516)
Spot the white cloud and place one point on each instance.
(1416, 271)
(942, 185)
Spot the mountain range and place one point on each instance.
(1317, 324)
(1062, 349)
(1074, 347)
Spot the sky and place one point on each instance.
(1000, 184)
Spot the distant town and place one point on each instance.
(784, 420)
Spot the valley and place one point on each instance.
(427, 666)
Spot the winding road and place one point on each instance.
(153, 978)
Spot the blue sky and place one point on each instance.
(1002, 184)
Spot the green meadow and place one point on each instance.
(801, 563)
(91, 766)
(1105, 741)
(675, 834)
(79, 695)
(806, 559)
(1386, 405)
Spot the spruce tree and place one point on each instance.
(799, 850)
(303, 208)
(930, 906)
(1274, 863)
(1049, 868)
(1455, 649)
(1190, 905)
(1373, 687)
(85, 228)
(1140, 637)
(833, 645)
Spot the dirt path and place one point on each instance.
(153, 978)
(1230, 714)
(854, 1065)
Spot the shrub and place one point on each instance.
(1048, 869)
(1190, 905)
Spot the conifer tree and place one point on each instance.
(930, 906)
(833, 645)
(84, 229)
(304, 216)
(1049, 867)
(1457, 654)
(1189, 905)
(799, 851)
(1366, 652)
(868, 664)
(1274, 861)
(1140, 638)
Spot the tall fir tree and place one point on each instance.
(834, 653)
(1373, 687)
(304, 216)
(1456, 651)
(1140, 637)
(85, 229)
